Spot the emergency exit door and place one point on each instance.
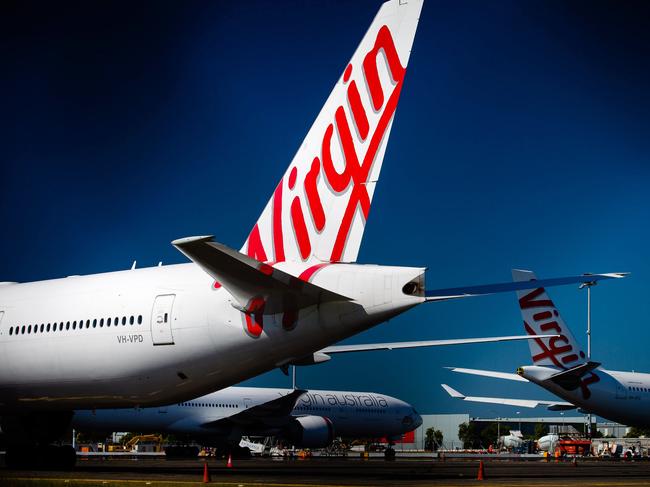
(161, 320)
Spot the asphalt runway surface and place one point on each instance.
(334, 472)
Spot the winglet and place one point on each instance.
(452, 392)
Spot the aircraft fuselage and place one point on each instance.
(162, 335)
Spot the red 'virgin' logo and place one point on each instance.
(354, 175)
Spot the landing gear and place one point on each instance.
(40, 457)
(174, 452)
(235, 450)
(29, 438)
(389, 453)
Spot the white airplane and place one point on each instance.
(162, 335)
(303, 418)
(561, 367)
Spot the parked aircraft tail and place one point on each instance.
(319, 208)
(542, 317)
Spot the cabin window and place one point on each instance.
(131, 320)
(139, 319)
(11, 330)
(67, 325)
(123, 320)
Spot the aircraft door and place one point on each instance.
(621, 391)
(161, 320)
(247, 402)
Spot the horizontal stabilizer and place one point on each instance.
(489, 373)
(562, 407)
(276, 409)
(524, 403)
(570, 379)
(257, 287)
(467, 291)
(369, 347)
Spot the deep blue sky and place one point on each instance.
(521, 140)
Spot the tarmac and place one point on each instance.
(154, 472)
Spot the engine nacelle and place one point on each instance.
(311, 432)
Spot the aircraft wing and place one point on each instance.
(369, 347)
(257, 287)
(467, 291)
(277, 409)
(489, 373)
(524, 403)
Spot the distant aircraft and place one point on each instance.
(303, 418)
(561, 367)
(162, 335)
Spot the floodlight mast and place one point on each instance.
(588, 285)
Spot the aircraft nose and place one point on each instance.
(417, 419)
(412, 420)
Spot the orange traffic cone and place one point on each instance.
(206, 474)
(481, 471)
(229, 464)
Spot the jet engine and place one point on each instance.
(311, 432)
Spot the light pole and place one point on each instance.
(588, 285)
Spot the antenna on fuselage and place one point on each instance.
(133, 265)
(293, 377)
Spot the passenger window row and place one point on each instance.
(74, 325)
(207, 404)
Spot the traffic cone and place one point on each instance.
(206, 474)
(481, 471)
(229, 464)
